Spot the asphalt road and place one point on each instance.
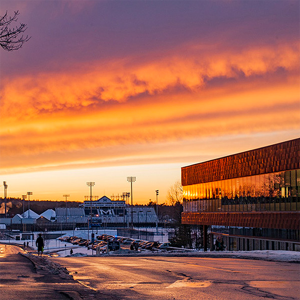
(185, 277)
(20, 280)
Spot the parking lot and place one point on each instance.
(104, 243)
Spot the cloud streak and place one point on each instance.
(124, 106)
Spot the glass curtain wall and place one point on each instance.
(278, 191)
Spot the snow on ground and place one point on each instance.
(273, 255)
(62, 249)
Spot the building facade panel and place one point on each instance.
(270, 159)
(277, 220)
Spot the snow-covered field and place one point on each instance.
(63, 248)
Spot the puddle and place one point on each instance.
(189, 284)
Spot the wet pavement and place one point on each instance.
(20, 278)
(190, 278)
(27, 276)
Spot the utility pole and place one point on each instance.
(32, 236)
(157, 192)
(91, 184)
(29, 193)
(23, 202)
(5, 196)
(131, 180)
(66, 196)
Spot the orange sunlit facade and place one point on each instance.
(257, 189)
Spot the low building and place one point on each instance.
(117, 213)
(250, 199)
(71, 215)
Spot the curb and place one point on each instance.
(43, 264)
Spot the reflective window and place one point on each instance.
(277, 191)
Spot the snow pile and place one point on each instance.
(272, 255)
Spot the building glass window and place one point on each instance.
(278, 191)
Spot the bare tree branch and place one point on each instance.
(175, 193)
(11, 38)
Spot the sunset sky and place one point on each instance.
(104, 90)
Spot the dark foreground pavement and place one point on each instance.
(25, 276)
(186, 278)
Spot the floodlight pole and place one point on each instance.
(23, 198)
(23, 202)
(66, 196)
(157, 192)
(91, 184)
(5, 196)
(131, 180)
(29, 193)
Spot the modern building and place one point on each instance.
(251, 199)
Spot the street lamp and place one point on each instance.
(66, 196)
(29, 193)
(5, 196)
(131, 180)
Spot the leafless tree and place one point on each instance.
(175, 193)
(11, 38)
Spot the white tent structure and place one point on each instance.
(30, 214)
(49, 214)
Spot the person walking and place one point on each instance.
(40, 244)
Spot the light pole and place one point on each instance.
(124, 208)
(91, 184)
(131, 180)
(157, 192)
(127, 202)
(23, 202)
(29, 193)
(5, 196)
(127, 196)
(66, 196)
(146, 225)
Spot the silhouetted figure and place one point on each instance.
(71, 251)
(219, 244)
(40, 244)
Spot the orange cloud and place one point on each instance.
(117, 111)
